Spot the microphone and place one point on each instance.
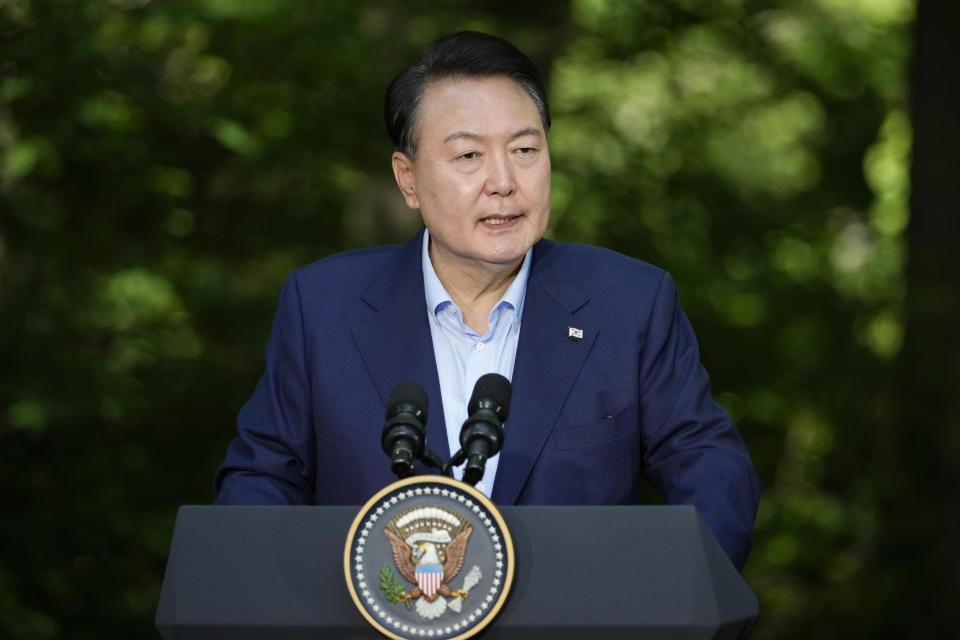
(482, 434)
(404, 433)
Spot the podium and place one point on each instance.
(652, 572)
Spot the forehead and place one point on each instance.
(483, 106)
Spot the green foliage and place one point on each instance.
(760, 152)
(392, 590)
(164, 165)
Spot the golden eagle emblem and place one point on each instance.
(429, 546)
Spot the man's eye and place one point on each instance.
(525, 150)
(469, 155)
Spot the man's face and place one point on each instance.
(481, 178)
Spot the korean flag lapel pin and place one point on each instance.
(574, 334)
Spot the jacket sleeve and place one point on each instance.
(272, 458)
(692, 452)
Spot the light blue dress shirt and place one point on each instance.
(463, 356)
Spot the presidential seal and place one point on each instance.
(429, 557)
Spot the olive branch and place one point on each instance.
(392, 589)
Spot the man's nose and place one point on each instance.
(500, 175)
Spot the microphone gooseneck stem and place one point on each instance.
(455, 461)
(432, 460)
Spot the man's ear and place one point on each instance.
(406, 180)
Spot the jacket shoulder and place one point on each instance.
(352, 265)
(600, 270)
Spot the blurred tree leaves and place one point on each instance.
(759, 151)
(164, 165)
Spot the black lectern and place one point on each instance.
(597, 572)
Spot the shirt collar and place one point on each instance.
(437, 295)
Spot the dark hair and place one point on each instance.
(467, 54)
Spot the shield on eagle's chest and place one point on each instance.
(429, 578)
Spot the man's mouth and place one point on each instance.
(498, 220)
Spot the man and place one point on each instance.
(607, 384)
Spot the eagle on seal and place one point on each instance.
(423, 567)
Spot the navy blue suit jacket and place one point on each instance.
(589, 417)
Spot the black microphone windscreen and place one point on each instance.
(408, 393)
(492, 391)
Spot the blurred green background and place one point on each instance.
(164, 165)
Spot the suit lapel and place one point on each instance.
(546, 366)
(396, 346)
(395, 342)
